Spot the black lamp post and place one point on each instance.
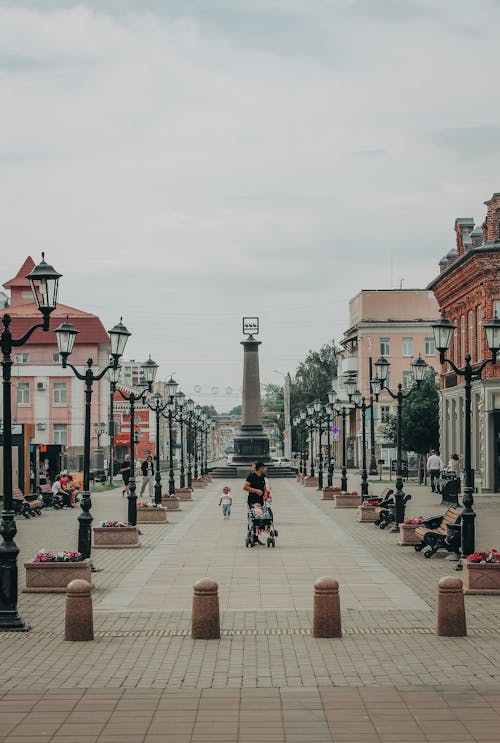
(332, 397)
(99, 429)
(196, 421)
(319, 419)
(44, 282)
(373, 461)
(66, 336)
(171, 390)
(189, 406)
(181, 399)
(114, 378)
(359, 402)
(309, 424)
(303, 455)
(343, 409)
(443, 331)
(149, 369)
(157, 406)
(419, 368)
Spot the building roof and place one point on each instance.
(487, 247)
(464, 221)
(91, 330)
(20, 277)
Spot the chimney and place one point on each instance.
(463, 228)
(492, 221)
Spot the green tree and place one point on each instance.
(209, 410)
(236, 410)
(273, 398)
(313, 378)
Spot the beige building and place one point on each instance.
(395, 323)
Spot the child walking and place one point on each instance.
(226, 502)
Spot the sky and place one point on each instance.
(184, 163)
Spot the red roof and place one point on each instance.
(91, 330)
(20, 278)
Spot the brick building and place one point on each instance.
(468, 291)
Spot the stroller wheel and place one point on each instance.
(275, 532)
(247, 542)
(273, 542)
(268, 542)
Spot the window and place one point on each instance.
(496, 308)
(430, 347)
(21, 358)
(387, 382)
(407, 346)
(385, 413)
(385, 346)
(470, 333)
(407, 379)
(479, 330)
(60, 393)
(60, 433)
(56, 358)
(23, 393)
(462, 336)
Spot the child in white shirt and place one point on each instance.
(226, 502)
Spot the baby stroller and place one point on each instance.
(260, 521)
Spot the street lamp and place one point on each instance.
(418, 368)
(44, 282)
(66, 336)
(99, 429)
(360, 404)
(443, 332)
(170, 407)
(157, 406)
(148, 369)
(114, 378)
(309, 423)
(302, 424)
(189, 407)
(343, 408)
(196, 422)
(181, 400)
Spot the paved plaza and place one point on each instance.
(390, 678)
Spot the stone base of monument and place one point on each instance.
(310, 482)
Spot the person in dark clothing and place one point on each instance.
(125, 473)
(255, 485)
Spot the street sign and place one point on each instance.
(250, 325)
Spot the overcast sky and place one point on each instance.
(187, 162)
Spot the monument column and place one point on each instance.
(251, 443)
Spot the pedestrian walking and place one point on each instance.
(148, 471)
(125, 473)
(226, 502)
(434, 467)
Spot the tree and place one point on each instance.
(273, 399)
(313, 378)
(236, 410)
(419, 418)
(209, 410)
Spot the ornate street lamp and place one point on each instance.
(157, 405)
(181, 400)
(44, 282)
(418, 368)
(360, 404)
(149, 369)
(343, 409)
(309, 422)
(99, 429)
(114, 378)
(189, 407)
(66, 336)
(171, 392)
(443, 332)
(196, 427)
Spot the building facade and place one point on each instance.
(43, 393)
(468, 292)
(396, 324)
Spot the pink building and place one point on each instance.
(395, 323)
(43, 393)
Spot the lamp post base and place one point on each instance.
(343, 480)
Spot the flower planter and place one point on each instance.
(347, 500)
(407, 534)
(367, 514)
(198, 482)
(481, 577)
(300, 477)
(151, 515)
(328, 493)
(171, 503)
(183, 493)
(53, 577)
(310, 482)
(116, 537)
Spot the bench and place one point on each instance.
(435, 535)
(27, 506)
(386, 511)
(44, 493)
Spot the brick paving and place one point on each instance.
(390, 678)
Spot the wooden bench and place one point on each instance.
(386, 511)
(46, 490)
(434, 534)
(27, 506)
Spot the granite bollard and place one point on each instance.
(205, 622)
(451, 608)
(327, 621)
(79, 621)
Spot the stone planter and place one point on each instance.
(300, 478)
(151, 515)
(367, 514)
(116, 537)
(328, 493)
(198, 482)
(407, 534)
(183, 493)
(347, 500)
(310, 482)
(171, 503)
(53, 577)
(208, 478)
(481, 577)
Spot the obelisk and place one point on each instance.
(251, 443)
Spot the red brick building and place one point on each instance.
(468, 291)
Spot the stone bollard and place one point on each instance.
(451, 608)
(205, 623)
(326, 616)
(79, 623)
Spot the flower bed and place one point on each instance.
(171, 502)
(367, 513)
(151, 513)
(310, 482)
(50, 572)
(115, 535)
(347, 500)
(328, 493)
(407, 534)
(481, 573)
(183, 493)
